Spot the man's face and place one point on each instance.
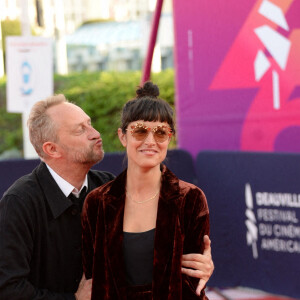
(78, 141)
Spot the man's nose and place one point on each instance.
(94, 134)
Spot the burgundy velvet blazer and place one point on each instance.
(182, 221)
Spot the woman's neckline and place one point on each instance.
(139, 232)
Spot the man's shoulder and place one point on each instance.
(100, 177)
(29, 186)
(25, 183)
(23, 195)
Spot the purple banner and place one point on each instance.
(237, 75)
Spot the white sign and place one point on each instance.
(29, 65)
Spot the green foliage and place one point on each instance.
(10, 123)
(101, 95)
(9, 27)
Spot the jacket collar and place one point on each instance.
(66, 187)
(165, 225)
(170, 183)
(54, 196)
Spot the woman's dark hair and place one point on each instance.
(147, 106)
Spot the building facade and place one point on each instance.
(98, 34)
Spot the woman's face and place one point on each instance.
(146, 142)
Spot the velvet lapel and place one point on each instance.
(167, 217)
(114, 214)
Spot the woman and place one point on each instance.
(136, 227)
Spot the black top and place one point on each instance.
(40, 238)
(138, 255)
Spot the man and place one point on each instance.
(40, 229)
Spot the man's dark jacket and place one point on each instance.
(40, 238)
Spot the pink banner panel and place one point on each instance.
(237, 75)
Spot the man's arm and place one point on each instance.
(17, 229)
(199, 265)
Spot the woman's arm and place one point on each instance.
(196, 217)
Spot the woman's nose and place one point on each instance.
(150, 138)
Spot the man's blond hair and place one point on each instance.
(41, 127)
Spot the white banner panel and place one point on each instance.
(29, 65)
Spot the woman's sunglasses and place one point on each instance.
(160, 133)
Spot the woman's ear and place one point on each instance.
(51, 149)
(122, 137)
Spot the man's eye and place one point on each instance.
(80, 130)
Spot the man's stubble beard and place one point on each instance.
(88, 157)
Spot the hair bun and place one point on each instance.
(149, 89)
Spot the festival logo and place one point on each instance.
(272, 222)
(265, 55)
(252, 232)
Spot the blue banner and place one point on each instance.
(254, 201)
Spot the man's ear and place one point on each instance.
(122, 137)
(51, 149)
